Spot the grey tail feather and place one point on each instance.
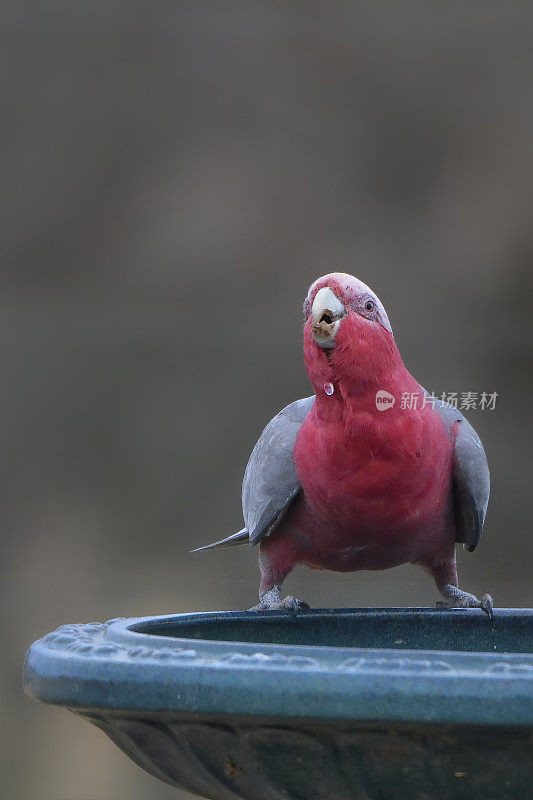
(240, 537)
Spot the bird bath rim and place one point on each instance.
(116, 666)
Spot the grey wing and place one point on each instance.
(470, 478)
(270, 480)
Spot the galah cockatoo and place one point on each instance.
(354, 477)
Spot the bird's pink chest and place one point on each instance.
(372, 478)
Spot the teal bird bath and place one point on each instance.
(369, 704)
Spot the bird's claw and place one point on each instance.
(292, 604)
(470, 601)
(288, 603)
(487, 605)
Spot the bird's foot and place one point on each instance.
(455, 598)
(271, 601)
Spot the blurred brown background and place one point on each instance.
(174, 176)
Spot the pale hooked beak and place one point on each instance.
(327, 312)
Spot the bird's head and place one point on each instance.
(347, 333)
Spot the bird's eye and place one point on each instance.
(369, 306)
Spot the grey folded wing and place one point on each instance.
(470, 476)
(270, 481)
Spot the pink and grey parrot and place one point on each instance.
(354, 477)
